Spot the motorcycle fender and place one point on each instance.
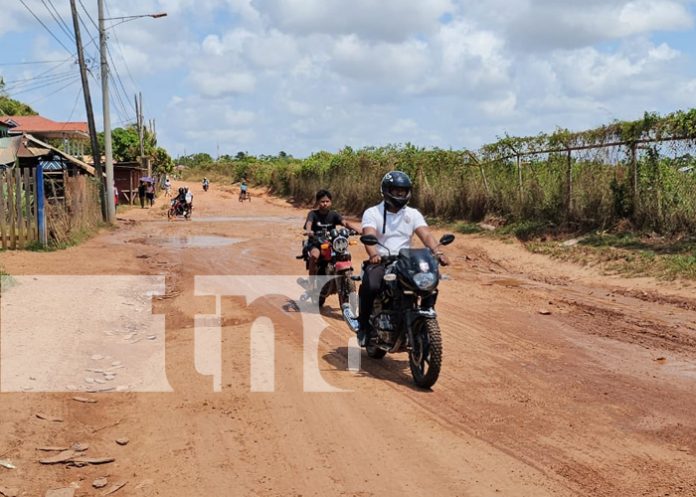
(427, 313)
(343, 265)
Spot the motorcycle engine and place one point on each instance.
(384, 324)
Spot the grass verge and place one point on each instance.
(626, 253)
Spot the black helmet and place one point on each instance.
(396, 179)
(181, 189)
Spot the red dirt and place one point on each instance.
(595, 398)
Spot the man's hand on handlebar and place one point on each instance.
(375, 259)
(442, 258)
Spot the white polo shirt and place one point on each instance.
(400, 227)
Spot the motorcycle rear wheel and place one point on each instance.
(425, 356)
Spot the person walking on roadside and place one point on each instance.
(141, 194)
(150, 191)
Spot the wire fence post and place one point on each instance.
(519, 177)
(40, 206)
(635, 180)
(569, 185)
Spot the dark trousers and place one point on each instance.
(142, 200)
(369, 289)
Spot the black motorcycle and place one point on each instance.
(403, 318)
(334, 260)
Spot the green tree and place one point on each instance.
(125, 144)
(193, 160)
(11, 107)
(161, 161)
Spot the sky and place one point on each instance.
(301, 76)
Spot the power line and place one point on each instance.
(38, 83)
(46, 28)
(120, 81)
(29, 62)
(35, 78)
(113, 64)
(75, 80)
(43, 85)
(88, 15)
(122, 111)
(120, 50)
(59, 20)
(70, 82)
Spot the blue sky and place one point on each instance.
(222, 76)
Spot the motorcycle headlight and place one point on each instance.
(340, 244)
(425, 281)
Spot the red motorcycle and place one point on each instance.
(334, 261)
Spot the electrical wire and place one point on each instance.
(34, 78)
(122, 111)
(35, 83)
(46, 27)
(72, 80)
(57, 91)
(88, 15)
(72, 112)
(120, 50)
(113, 64)
(29, 62)
(120, 81)
(59, 20)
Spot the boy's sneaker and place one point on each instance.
(363, 335)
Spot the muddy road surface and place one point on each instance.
(556, 381)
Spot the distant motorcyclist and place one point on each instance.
(188, 198)
(393, 223)
(180, 200)
(206, 184)
(322, 215)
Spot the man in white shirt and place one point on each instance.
(393, 223)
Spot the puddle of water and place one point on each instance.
(194, 241)
(248, 219)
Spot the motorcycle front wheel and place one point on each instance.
(425, 356)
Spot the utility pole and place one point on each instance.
(88, 108)
(144, 161)
(108, 152)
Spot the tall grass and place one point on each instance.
(449, 186)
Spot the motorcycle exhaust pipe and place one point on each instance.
(350, 318)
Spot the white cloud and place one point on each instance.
(388, 63)
(303, 75)
(217, 84)
(388, 20)
(239, 118)
(548, 25)
(643, 16)
(500, 108)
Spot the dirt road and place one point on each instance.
(556, 381)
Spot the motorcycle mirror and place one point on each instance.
(369, 240)
(447, 239)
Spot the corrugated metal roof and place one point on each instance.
(8, 149)
(40, 124)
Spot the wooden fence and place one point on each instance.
(19, 216)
